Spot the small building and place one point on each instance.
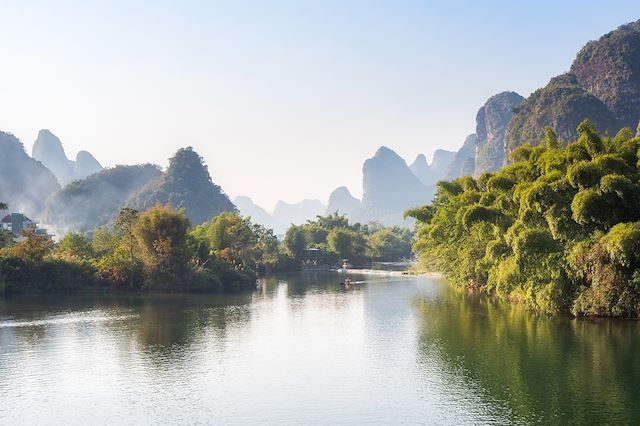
(315, 259)
(18, 222)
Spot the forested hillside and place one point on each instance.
(86, 204)
(186, 184)
(557, 229)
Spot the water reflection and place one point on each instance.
(161, 325)
(304, 350)
(546, 370)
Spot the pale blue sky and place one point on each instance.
(284, 99)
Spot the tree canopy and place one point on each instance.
(558, 228)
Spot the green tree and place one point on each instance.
(295, 242)
(6, 237)
(341, 241)
(161, 233)
(386, 244)
(125, 224)
(555, 229)
(74, 246)
(33, 247)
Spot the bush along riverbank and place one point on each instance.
(558, 228)
(156, 250)
(159, 250)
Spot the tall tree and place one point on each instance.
(161, 233)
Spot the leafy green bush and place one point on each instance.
(557, 229)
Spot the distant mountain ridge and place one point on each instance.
(49, 151)
(389, 187)
(603, 84)
(430, 174)
(25, 184)
(297, 213)
(343, 202)
(258, 215)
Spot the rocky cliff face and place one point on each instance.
(609, 69)
(25, 184)
(603, 85)
(491, 124)
(343, 202)
(562, 105)
(49, 151)
(464, 162)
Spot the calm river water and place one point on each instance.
(302, 350)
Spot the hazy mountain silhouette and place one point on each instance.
(389, 188)
(49, 151)
(429, 174)
(86, 204)
(297, 213)
(343, 202)
(258, 215)
(25, 184)
(464, 162)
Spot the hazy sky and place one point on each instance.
(283, 99)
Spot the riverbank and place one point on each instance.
(390, 273)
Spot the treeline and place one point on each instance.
(335, 238)
(558, 228)
(154, 250)
(159, 250)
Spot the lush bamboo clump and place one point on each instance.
(558, 228)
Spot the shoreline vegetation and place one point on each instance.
(557, 229)
(159, 250)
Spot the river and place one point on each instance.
(304, 350)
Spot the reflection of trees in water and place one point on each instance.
(548, 370)
(170, 324)
(161, 324)
(302, 283)
(295, 293)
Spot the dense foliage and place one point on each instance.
(156, 250)
(558, 228)
(236, 240)
(337, 239)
